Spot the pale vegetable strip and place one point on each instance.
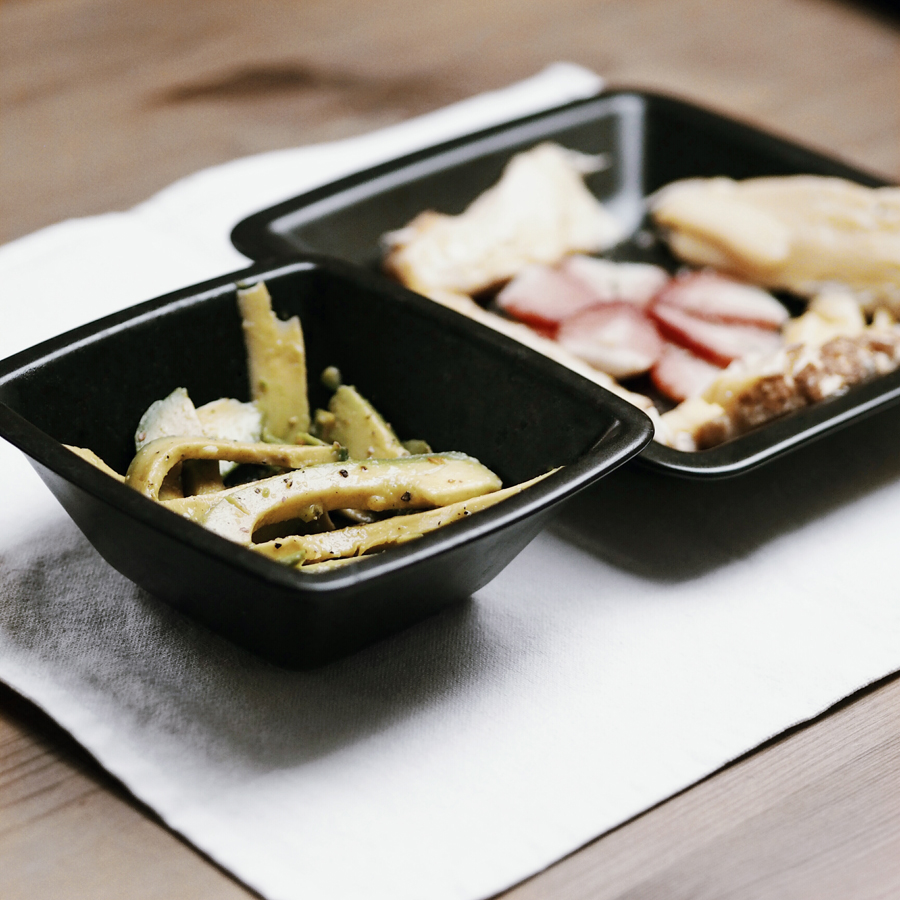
(355, 540)
(195, 508)
(94, 460)
(357, 426)
(328, 564)
(276, 359)
(198, 476)
(149, 468)
(415, 482)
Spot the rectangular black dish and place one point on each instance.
(435, 375)
(650, 140)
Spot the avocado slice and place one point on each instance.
(355, 424)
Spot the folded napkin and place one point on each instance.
(657, 630)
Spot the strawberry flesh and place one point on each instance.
(543, 297)
(716, 298)
(616, 282)
(715, 342)
(613, 337)
(680, 374)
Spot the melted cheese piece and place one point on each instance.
(694, 424)
(804, 233)
(538, 212)
(829, 315)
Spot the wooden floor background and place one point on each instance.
(103, 102)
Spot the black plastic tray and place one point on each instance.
(650, 140)
(434, 374)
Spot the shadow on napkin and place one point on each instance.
(673, 529)
(99, 634)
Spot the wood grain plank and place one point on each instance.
(110, 100)
(814, 814)
(68, 830)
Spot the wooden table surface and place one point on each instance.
(103, 102)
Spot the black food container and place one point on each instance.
(435, 376)
(649, 140)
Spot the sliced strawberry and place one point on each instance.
(718, 343)
(680, 374)
(616, 282)
(616, 338)
(716, 298)
(542, 297)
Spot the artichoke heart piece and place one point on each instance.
(357, 426)
(276, 361)
(355, 540)
(171, 416)
(413, 482)
(230, 420)
(148, 470)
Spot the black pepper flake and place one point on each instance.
(343, 473)
(406, 497)
(277, 545)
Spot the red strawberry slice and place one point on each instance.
(716, 342)
(716, 298)
(542, 297)
(616, 282)
(680, 374)
(614, 337)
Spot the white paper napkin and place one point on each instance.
(656, 631)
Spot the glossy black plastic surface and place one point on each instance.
(435, 375)
(650, 140)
